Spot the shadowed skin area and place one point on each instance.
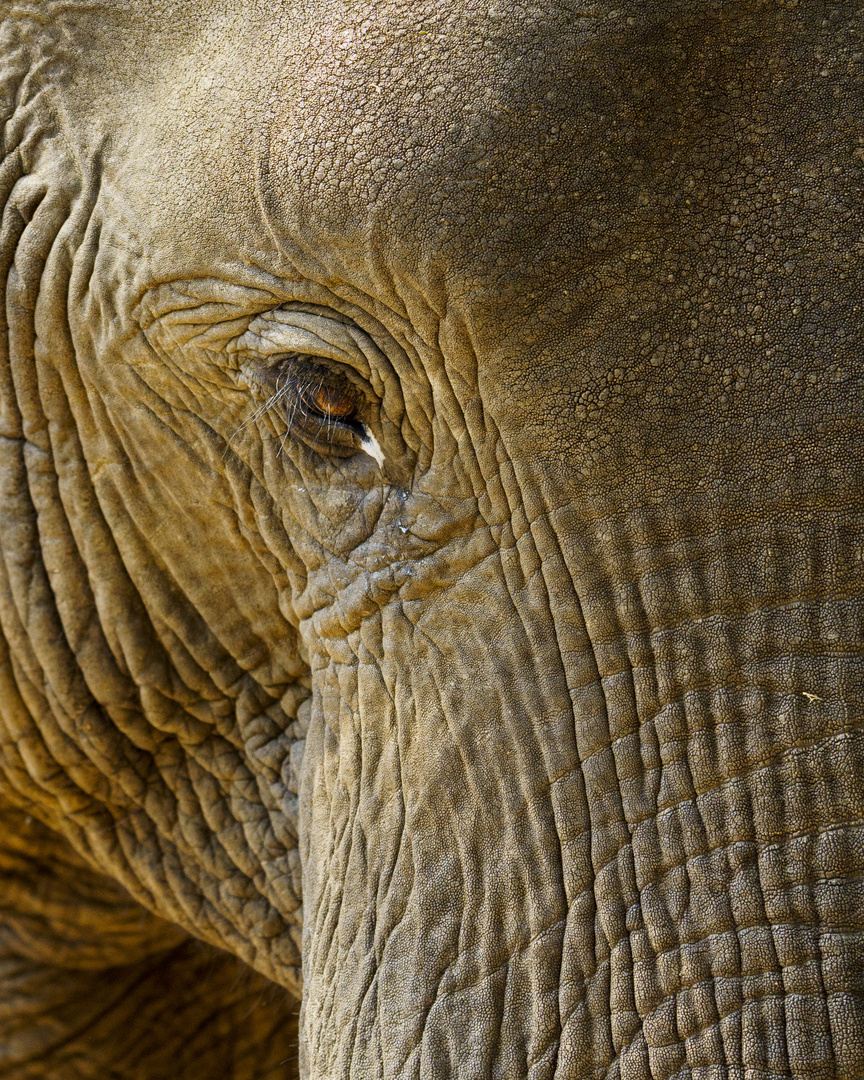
(528, 745)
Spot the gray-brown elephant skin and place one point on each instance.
(431, 540)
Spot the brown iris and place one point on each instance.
(329, 401)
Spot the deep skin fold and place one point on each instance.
(553, 724)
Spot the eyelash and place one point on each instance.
(299, 381)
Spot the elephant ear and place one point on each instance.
(151, 688)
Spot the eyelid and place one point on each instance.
(280, 331)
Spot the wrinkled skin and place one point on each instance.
(536, 735)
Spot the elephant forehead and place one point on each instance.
(469, 140)
(425, 123)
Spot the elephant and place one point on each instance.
(432, 535)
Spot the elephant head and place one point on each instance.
(431, 523)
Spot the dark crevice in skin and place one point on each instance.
(92, 985)
(186, 1014)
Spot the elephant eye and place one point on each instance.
(304, 366)
(317, 404)
(328, 400)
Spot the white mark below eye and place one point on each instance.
(372, 447)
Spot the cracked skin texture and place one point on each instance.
(537, 751)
